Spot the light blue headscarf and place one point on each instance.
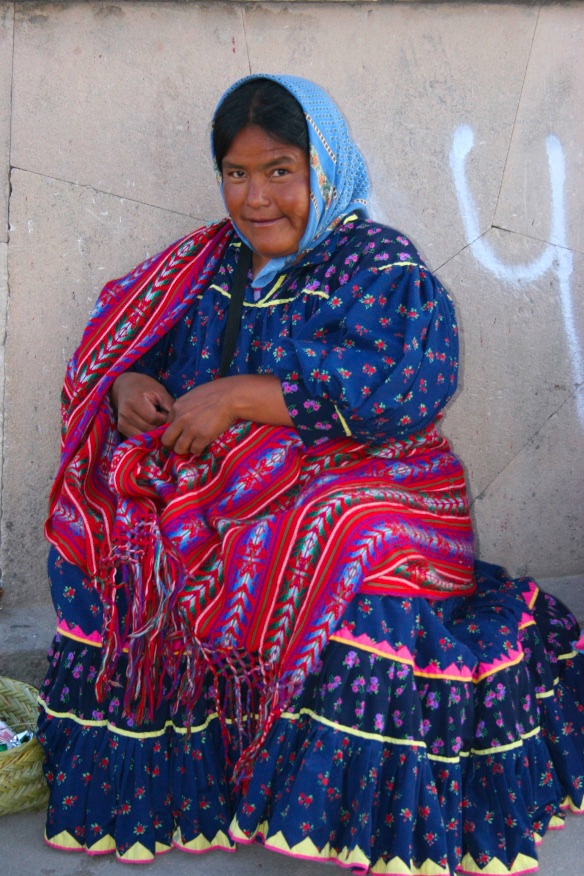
(339, 183)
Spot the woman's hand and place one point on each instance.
(141, 402)
(204, 413)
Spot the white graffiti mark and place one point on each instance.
(556, 255)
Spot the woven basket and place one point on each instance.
(22, 781)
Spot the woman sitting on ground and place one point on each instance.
(271, 626)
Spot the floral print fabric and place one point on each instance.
(361, 334)
(429, 738)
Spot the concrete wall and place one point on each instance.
(470, 117)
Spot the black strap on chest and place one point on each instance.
(235, 308)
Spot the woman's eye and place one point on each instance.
(281, 171)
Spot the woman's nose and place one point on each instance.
(257, 192)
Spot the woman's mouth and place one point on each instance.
(263, 223)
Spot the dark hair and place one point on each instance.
(264, 103)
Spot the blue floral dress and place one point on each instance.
(432, 736)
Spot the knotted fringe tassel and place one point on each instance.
(248, 694)
(275, 695)
(108, 587)
(152, 580)
(165, 657)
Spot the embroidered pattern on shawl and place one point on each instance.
(130, 315)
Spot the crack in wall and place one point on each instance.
(521, 234)
(244, 25)
(109, 194)
(529, 441)
(522, 89)
(555, 256)
(4, 303)
(536, 239)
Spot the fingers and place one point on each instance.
(197, 419)
(142, 412)
(132, 423)
(162, 400)
(194, 420)
(141, 402)
(185, 436)
(172, 435)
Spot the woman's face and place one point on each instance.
(266, 186)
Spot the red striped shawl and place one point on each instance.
(241, 561)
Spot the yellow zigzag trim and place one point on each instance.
(136, 853)
(105, 844)
(521, 864)
(347, 857)
(64, 840)
(200, 844)
(139, 854)
(397, 866)
(307, 849)
(568, 802)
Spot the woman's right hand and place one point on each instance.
(141, 403)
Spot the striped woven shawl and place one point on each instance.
(241, 561)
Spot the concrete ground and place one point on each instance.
(22, 853)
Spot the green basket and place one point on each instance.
(22, 782)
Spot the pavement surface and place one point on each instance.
(22, 853)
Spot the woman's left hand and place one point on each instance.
(205, 412)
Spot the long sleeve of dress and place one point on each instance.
(361, 335)
(377, 360)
